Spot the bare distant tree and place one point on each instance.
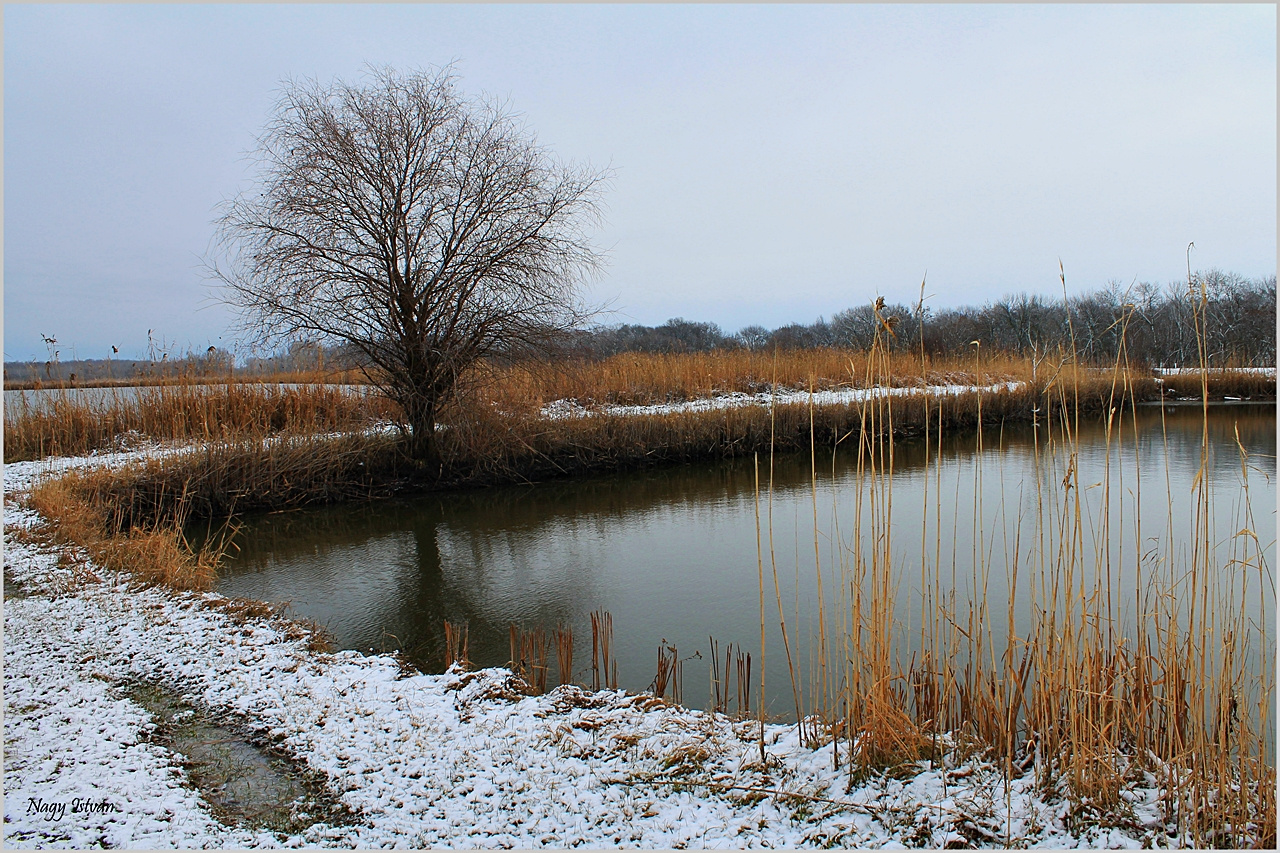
(754, 337)
(425, 229)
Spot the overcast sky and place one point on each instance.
(773, 163)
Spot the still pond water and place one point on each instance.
(672, 554)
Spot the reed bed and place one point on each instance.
(649, 378)
(563, 638)
(222, 477)
(723, 685)
(495, 443)
(530, 651)
(498, 400)
(152, 554)
(1175, 690)
(135, 518)
(604, 668)
(656, 378)
(487, 444)
(1223, 384)
(455, 645)
(219, 480)
(669, 680)
(70, 424)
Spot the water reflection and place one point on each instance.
(672, 553)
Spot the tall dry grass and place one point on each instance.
(490, 445)
(654, 378)
(502, 405)
(134, 518)
(1174, 689)
(219, 480)
(256, 463)
(650, 378)
(1219, 384)
(155, 554)
(70, 424)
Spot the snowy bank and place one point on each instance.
(830, 397)
(1214, 371)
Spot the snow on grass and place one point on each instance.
(831, 397)
(21, 476)
(460, 759)
(1195, 371)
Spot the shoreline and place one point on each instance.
(453, 759)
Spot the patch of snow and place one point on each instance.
(831, 397)
(21, 476)
(1195, 371)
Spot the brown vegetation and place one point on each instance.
(69, 424)
(502, 413)
(1221, 384)
(1085, 701)
(651, 378)
(152, 555)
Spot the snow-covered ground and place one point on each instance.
(460, 759)
(1195, 371)
(830, 397)
(833, 397)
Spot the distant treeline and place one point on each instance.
(1157, 325)
(212, 363)
(55, 370)
(297, 358)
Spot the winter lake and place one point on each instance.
(682, 554)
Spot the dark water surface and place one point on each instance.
(673, 554)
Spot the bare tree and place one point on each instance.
(754, 337)
(425, 229)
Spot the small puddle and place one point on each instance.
(244, 784)
(13, 589)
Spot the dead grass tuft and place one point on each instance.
(153, 555)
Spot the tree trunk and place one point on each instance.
(424, 448)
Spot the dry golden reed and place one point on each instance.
(455, 645)
(1075, 700)
(70, 424)
(153, 555)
